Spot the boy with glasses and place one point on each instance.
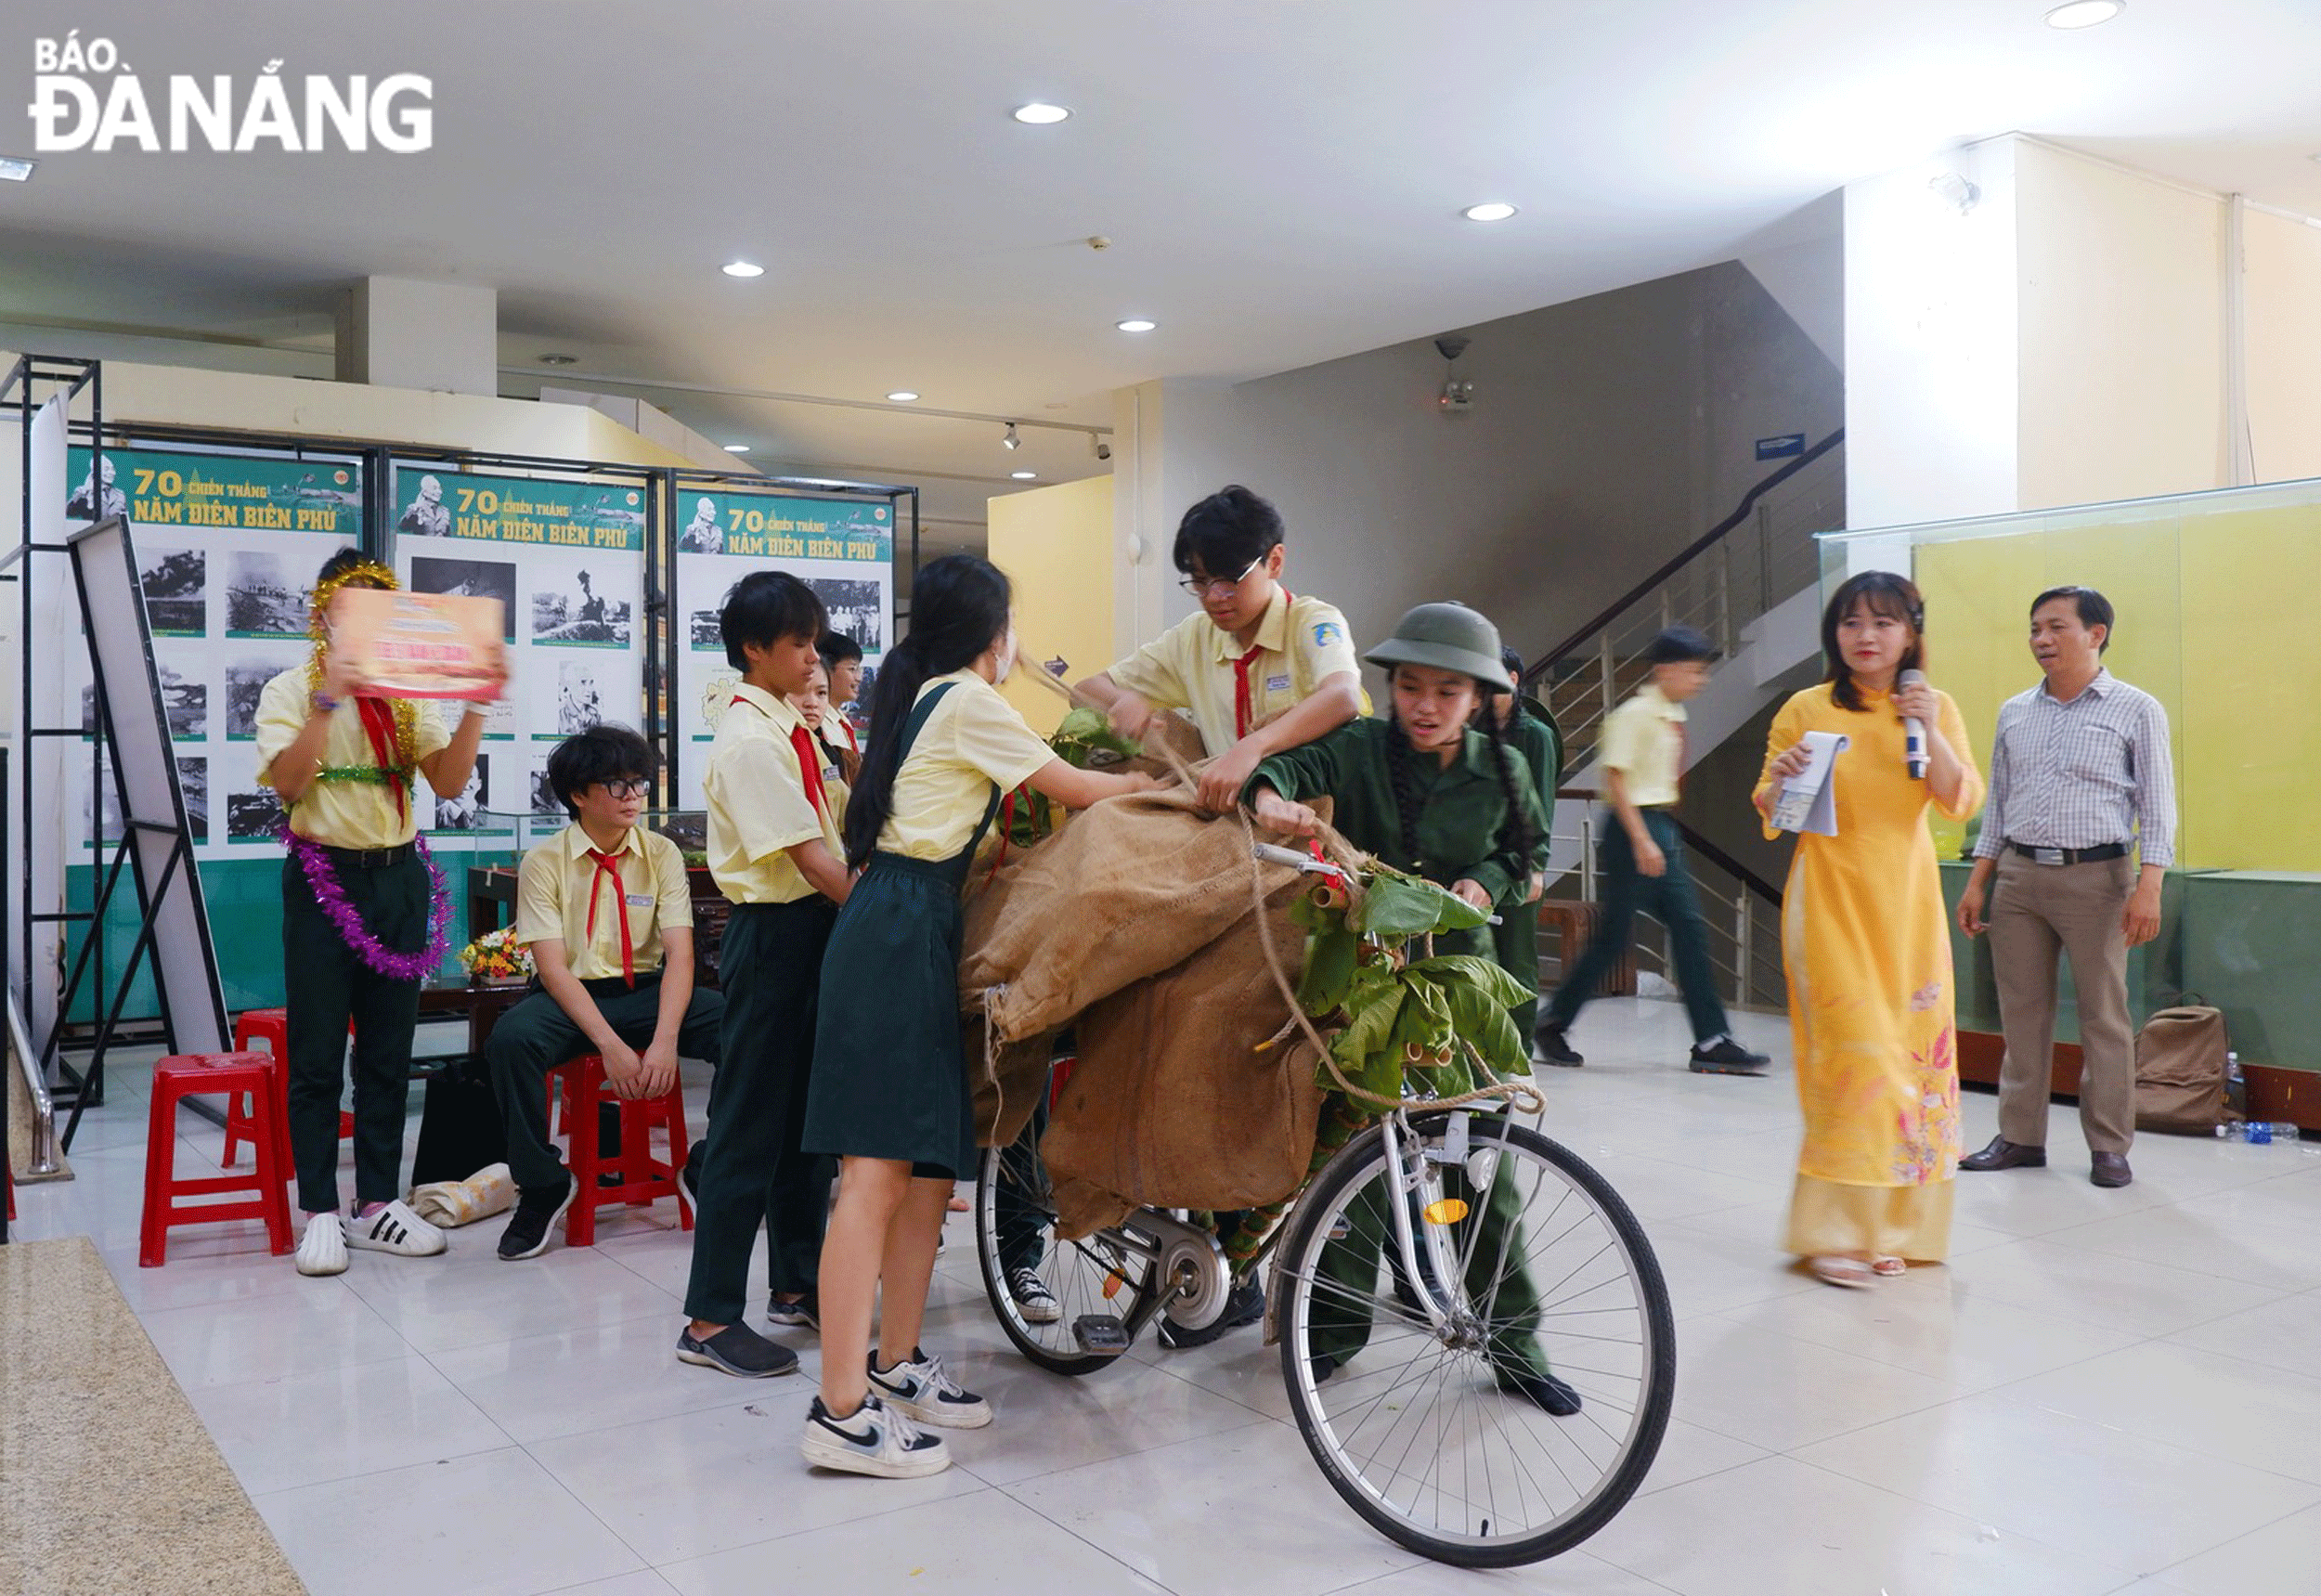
(605, 910)
(1259, 670)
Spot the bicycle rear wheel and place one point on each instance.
(1425, 1432)
(1015, 1226)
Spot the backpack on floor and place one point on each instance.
(2180, 1072)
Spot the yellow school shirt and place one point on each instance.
(1643, 739)
(558, 881)
(757, 804)
(972, 739)
(1189, 666)
(345, 813)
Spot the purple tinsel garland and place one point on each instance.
(331, 894)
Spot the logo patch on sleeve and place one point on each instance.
(1328, 632)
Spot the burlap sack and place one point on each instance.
(1130, 888)
(1173, 1103)
(1008, 1080)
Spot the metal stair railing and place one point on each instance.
(1762, 553)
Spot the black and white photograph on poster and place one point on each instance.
(176, 591)
(855, 609)
(91, 502)
(461, 811)
(186, 707)
(707, 636)
(702, 534)
(423, 515)
(264, 596)
(579, 701)
(252, 816)
(193, 783)
(586, 609)
(544, 800)
(470, 578)
(245, 684)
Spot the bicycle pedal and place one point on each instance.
(1101, 1333)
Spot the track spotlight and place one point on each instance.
(1011, 440)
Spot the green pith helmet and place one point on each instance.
(1450, 636)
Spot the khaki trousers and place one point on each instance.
(2036, 911)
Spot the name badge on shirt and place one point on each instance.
(1277, 684)
(641, 900)
(830, 772)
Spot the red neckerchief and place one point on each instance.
(378, 726)
(1244, 710)
(609, 864)
(808, 765)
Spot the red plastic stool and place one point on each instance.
(197, 1074)
(639, 1177)
(270, 1026)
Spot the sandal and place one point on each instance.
(1835, 1269)
(1889, 1268)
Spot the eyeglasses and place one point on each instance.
(624, 790)
(1201, 590)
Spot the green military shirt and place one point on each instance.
(1463, 823)
(1540, 740)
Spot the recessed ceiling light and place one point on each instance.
(1136, 324)
(559, 360)
(1495, 211)
(1040, 114)
(901, 396)
(2085, 13)
(737, 448)
(742, 268)
(1025, 476)
(17, 168)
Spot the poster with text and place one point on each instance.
(844, 549)
(566, 561)
(226, 549)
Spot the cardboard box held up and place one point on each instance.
(420, 645)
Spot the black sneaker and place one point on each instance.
(536, 1216)
(1553, 1048)
(1542, 1389)
(1244, 1304)
(690, 1174)
(1726, 1057)
(737, 1350)
(805, 1313)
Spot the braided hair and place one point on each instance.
(1507, 761)
(1402, 778)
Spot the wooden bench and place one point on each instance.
(1574, 922)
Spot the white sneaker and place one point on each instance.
(397, 1229)
(873, 1440)
(919, 1388)
(322, 1250)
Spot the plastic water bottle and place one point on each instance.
(2259, 1131)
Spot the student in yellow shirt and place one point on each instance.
(833, 739)
(890, 1097)
(363, 922)
(1642, 753)
(1258, 670)
(605, 910)
(842, 657)
(775, 853)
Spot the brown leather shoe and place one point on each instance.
(2111, 1169)
(2005, 1154)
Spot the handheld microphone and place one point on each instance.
(1913, 731)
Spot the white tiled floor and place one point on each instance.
(2105, 1392)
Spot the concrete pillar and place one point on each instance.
(1175, 442)
(397, 332)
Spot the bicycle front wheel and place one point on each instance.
(1443, 1438)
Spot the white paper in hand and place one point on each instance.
(1807, 801)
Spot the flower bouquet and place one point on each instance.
(496, 958)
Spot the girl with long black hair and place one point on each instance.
(890, 1096)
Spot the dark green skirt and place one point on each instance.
(890, 1077)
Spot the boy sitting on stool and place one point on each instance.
(604, 908)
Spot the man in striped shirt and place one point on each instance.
(2081, 776)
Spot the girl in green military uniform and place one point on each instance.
(1530, 726)
(1434, 789)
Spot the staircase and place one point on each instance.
(1753, 584)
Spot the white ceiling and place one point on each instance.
(1281, 179)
